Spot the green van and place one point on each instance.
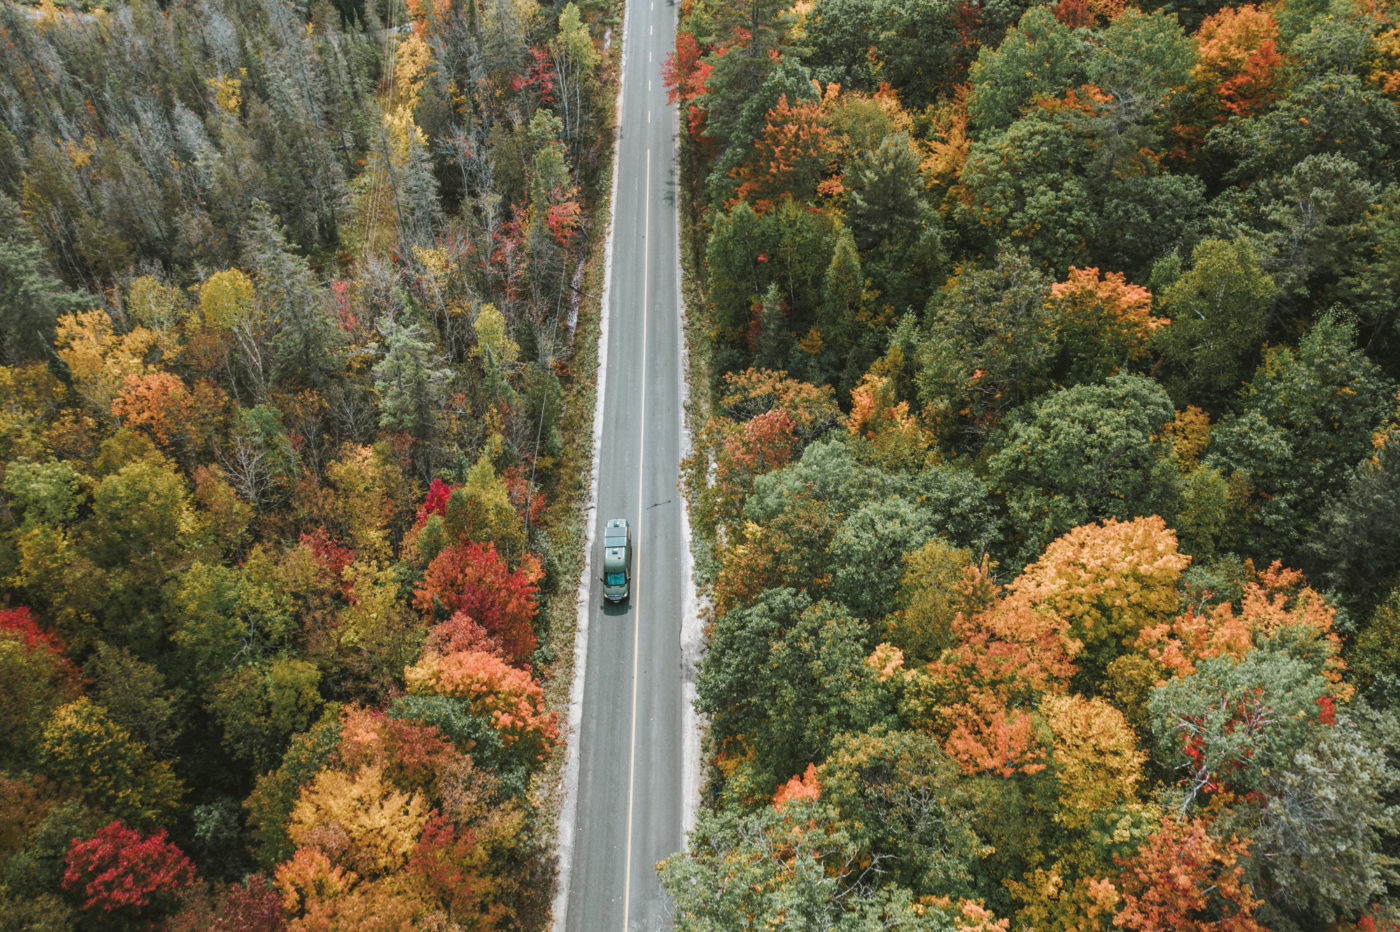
(617, 560)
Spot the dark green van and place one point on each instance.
(617, 560)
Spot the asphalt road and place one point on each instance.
(630, 734)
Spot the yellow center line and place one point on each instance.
(636, 575)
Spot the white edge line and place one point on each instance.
(568, 812)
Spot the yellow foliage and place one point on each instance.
(1108, 580)
(363, 499)
(1190, 432)
(410, 66)
(359, 820)
(492, 341)
(1097, 761)
(98, 359)
(372, 607)
(228, 91)
(227, 299)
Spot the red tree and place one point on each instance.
(118, 873)
(474, 579)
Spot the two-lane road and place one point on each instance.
(629, 808)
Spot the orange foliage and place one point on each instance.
(794, 155)
(1106, 312)
(1003, 659)
(474, 579)
(1097, 761)
(1239, 65)
(1276, 598)
(1182, 875)
(949, 143)
(506, 697)
(887, 424)
(157, 402)
(806, 786)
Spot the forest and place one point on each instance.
(292, 297)
(1047, 486)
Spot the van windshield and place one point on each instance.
(616, 579)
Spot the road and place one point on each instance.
(630, 734)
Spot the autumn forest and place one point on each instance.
(1048, 492)
(1045, 476)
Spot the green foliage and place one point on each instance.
(1084, 454)
(1306, 419)
(261, 707)
(1217, 311)
(270, 804)
(85, 750)
(1039, 57)
(867, 551)
(136, 696)
(1234, 723)
(33, 683)
(44, 493)
(903, 803)
(789, 866)
(31, 297)
(988, 342)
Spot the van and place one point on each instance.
(617, 560)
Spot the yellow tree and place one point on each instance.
(1109, 581)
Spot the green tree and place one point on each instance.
(1306, 419)
(1218, 310)
(136, 696)
(31, 296)
(903, 804)
(988, 344)
(1084, 454)
(1038, 57)
(260, 707)
(868, 551)
(411, 378)
(792, 866)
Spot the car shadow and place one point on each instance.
(616, 608)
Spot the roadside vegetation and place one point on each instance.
(296, 308)
(1049, 463)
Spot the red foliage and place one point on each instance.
(684, 72)
(19, 623)
(436, 501)
(539, 76)
(119, 873)
(333, 557)
(414, 756)
(449, 860)
(474, 579)
(1074, 13)
(344, 313)
(252, 906)
(459, 633)
(521, 498)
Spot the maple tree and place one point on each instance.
(1111, 580)
(1104, 322)
(474, 579)
(1184, 878)
(359, 819)
(504, 695)
(119, 873)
